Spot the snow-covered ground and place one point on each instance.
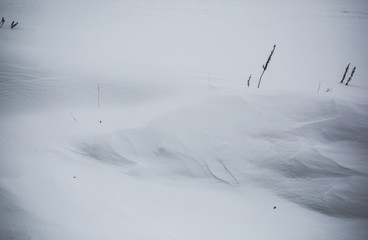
(180, 147)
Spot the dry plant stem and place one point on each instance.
(265, 66)
(98, 95)
(351, 76)
(2, 22)
(71, 114)
(346, 71)
(13, 24)
(231, 174)
(319, 87)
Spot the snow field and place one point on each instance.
(180, 147)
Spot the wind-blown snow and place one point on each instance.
(180, 147)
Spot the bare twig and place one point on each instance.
(13, 24)
(98, 95)
(351, 76)
(265, 66)
(248, 82)
(319, 87)
(2, 22)
(231, 174)
(346, 71)
(71, 114)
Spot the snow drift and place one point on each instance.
(180, 147)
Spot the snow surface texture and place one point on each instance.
(180, 147)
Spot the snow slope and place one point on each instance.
(180, 147)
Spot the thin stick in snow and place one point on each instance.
(230, 173)
(319, 86)
(2, 22)
(351, 76)
(98, 95)
(13, 24)
(71, 114)
(265, 66)
(248, 82)
(346, 71)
